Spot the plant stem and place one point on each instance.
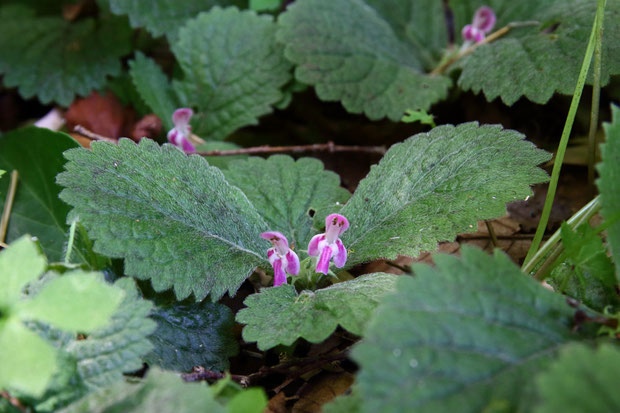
(70, 243)
(594, 111)
(8, 205)
(492, 234)
(559, 158)
(583, 215)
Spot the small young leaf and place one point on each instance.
(460, 337)
(252, 400)
(154, 88)
(233, 70)
(19, 264)
(284, 191)
(581, 380)
(78, 55)
(350, 52)
(609, 184)
(27, 361)
(163, 17)
(37, 156)
(173, 218)
(280, 316)
(436, 185)
(76, 301)
(537, 60)
(188, 335)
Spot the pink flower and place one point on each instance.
(328, 244)
(483, 23)
(179, 135)
(281, 257)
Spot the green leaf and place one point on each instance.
(265, 5)
(581, 380)
(37, 155)
(418, 116)
(20, 264)
(188, 335)
(538, 60)
(78, 55)
(462, 336)
(154, 88)
(352, 51)
(77, 301)
(287, 192)
(233, 70)
(351, 403)
(160, 391)
(586, 272)
(173, 218)
(609, 184)
(252, 400)
(279, 315)
(27, 361)
(438, 184)
(163, 17)
(2, 173)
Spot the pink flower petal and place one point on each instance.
(187, 146)
(172, 136)
(323, 265)
(181, 117)
(341, 256)
(484, 19)
(313, 246)
(340, 221)
(293, 263)
(279, 276)
(278, 240)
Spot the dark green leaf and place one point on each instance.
(37, 155)
(463, 336)
(173, 218)
(279, 315)
(438, 184)
(287, 192)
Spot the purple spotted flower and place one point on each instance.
(179, 135)
(328, 244)
(483, 23)
(281, 257)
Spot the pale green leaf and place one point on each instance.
(37, 156)
(581, 380)
(188, 335)
(2, 173)
(173, 218)
(252, 400)
(154, 88)
(287, 193)
(159, 392)
(233, 70)
(609, 184)
(77, 301)
(436, 185)
(54, 59)
(163, 17)
(538, 60)
(27, 361)
(20, 263)
(279, 315)
(460, 337)
(349, 52)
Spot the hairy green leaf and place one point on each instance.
(173, 218)
(460, 337)
(581, 380)
(351, 52)
(154, 88)
(54, 59)
(233, 70)
(537, 60)
(160, 391)
(436, 185)
(287, 192)
(609, 184)
(163, 17)
(279, 315)
(19, 264)
(586, 272)
(37, 156)
(77, 301)
(188, 335)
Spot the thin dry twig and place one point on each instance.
(8, 205)
(317, 147)
(16, 403)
